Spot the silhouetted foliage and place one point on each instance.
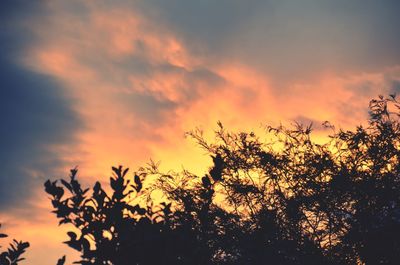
(14, 252)
(115, 228)
(282, 200)
(61, 261)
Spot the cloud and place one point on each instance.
(132, 80)
(143, 72)
(107, 83)
(146, 69)
(35, 116)
(288, 40)
(205, 26)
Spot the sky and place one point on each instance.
(100, 83)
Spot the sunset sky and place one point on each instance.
(102, 83)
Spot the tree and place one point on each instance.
(282, 200)
(14, 252)
(115, 228)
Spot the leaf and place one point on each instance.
(66, 184)
(113, 184)
(48, 187)
(61, 261)
(125, 171)
(206, 182)
(137, 179)
(141, 211)
(73, 172)
(72, 235)
(138, 183)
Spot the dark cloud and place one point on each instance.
(194, 83)
(34, 113)
(207, 23)
(148, 107)
(154, 107)
(289, 39)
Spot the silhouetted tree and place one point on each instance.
(14, 252)
(282, 200)
(116, 229)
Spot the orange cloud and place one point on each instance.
(138, 88)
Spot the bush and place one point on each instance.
(284, 200)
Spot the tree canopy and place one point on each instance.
(280, 198)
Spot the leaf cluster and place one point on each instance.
(13, 253)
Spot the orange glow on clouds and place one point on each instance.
(92, 60)
(95, 59)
